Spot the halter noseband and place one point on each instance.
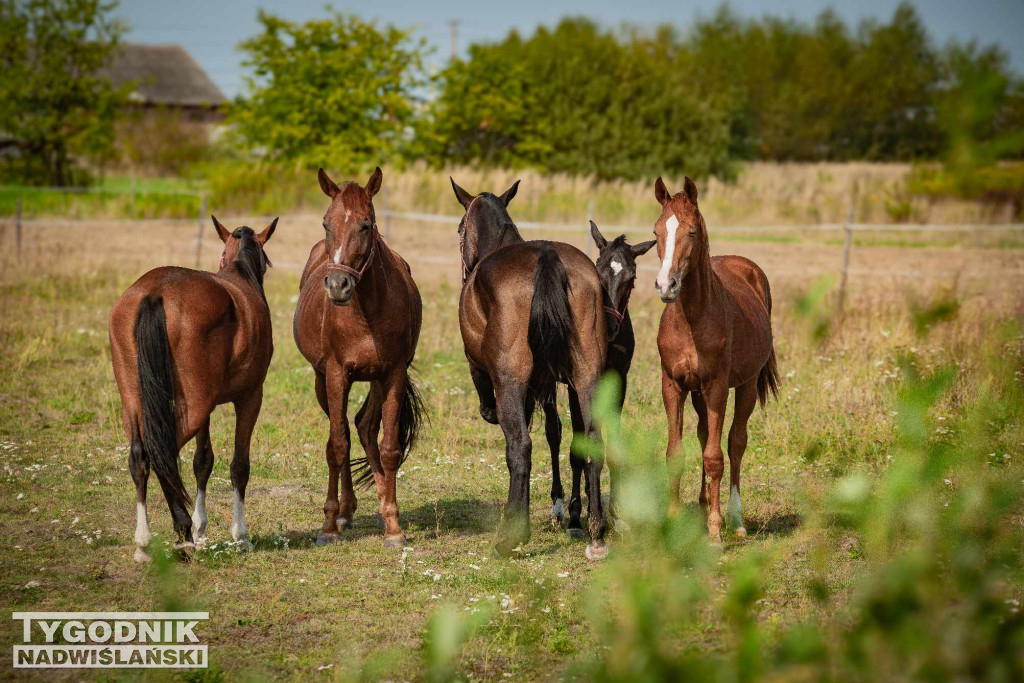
(349, 270)
(614, 313)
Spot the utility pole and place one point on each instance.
(454, 23)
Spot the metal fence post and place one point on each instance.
(847, 243)
(17, 226)
(202, 221)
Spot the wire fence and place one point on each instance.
(386, 216)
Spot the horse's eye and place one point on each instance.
(693, 233)
(365, 226)
(325, 226)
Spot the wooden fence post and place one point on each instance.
(202, 221)
(17, 226)
(847, 244)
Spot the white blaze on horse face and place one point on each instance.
(337, 256)
(615, 266)
(238, 530)
(670, 251)
(142, 535)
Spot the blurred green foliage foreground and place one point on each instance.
(939, 531)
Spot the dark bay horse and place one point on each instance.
(715, 334)
(358, 320)
(183, 342)
(531, 315)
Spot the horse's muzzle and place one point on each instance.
(340, 287)
(671, 291)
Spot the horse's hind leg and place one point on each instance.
(577, 462)
(702, 434)
(202, 466)
(596, 523)
(553, 432)
(138, 465)
(246, 413)
(746, 400)
(511, 398)
(368, 428)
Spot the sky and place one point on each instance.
(211, 30)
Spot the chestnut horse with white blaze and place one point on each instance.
(358, 320)
(183, 342)
(715, 334)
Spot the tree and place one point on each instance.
(56, 107)
(337, 91)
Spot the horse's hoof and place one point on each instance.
(715, 539)
(141, 556)
(243, 545)
(326, 538)
(490, 415)
(397, 541)
(597, 551)
(740, 531)
(201, 542)
(343, 524)
(575, 533)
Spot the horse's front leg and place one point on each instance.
(716, 395)
(553, 432)
(485, 392)
(337, 387)
(674, 400)
(391, 455)
(247, 411)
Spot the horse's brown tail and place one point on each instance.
(551, 333)
(156, 381)
(410, 418)
(768, 380)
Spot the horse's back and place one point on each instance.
(498, 296)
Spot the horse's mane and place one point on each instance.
(251, 260)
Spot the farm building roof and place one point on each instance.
(163, 74)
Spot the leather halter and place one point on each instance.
(349, 270)
(615, 314)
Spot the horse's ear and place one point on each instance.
(643, 247)
(599, 239)
(373, 184)
(464, 197)
(661, 192)
(329, 187)
(690, 188)
(510, 193)
(264, 236)
(222, 232)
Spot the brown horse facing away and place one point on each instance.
(358, 319)
(715, 334)
(183, 342)
(524, 312)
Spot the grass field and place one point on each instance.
(290, 609)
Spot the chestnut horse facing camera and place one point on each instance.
(715, 334)
(358, 320)
(183, 342)
(531, 315)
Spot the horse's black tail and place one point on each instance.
(768, 380)
(156, 381)
(410, 418)
(551, 333)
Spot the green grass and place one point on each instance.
(289, 608)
